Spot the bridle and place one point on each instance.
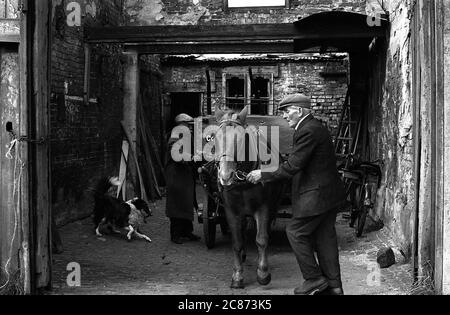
(239, 176)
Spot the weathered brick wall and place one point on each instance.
(310, 78)
(86, 138)
(324, 79)
(182, 12)
(391, 126)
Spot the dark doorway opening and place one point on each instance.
(186, 103)
(260, 96)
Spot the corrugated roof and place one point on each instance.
(233, 58)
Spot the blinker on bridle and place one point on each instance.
(238, 175)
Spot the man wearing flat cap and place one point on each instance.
(180, 197)
(317, 195)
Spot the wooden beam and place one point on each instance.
(446, 150)
(25, 53)
(189, 33)
(40, 129)
(130, 102)
(232, 47)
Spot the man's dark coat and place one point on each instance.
(180, 187)
(316, 186)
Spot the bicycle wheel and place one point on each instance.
(356, 203)
(362, 213)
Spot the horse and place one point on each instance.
(241, 198)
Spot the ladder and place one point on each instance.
(349, 130)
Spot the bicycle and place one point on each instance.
(359, 180)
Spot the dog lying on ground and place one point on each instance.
(118, 214)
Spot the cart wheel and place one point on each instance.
(209, 231)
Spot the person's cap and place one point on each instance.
(183, 118)
(299, 100)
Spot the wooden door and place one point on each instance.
(11, 166)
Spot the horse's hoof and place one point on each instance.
(237, 284)
(264, 281)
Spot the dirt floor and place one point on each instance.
(111, 265)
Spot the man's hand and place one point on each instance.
(254, 177)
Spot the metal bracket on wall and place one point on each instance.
(40, 141)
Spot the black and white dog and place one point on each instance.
(118, 214)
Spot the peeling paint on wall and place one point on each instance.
(192, 12)
(393, 129)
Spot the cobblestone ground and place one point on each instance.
(111, 265)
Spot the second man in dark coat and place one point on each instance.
(317, 194)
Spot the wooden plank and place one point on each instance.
(147, 156)
(208, 93)
(123, 170)
(416, 87)
(446, 149)
(134, 157)
(87, 73)
(155, 148)
(425, 229)
(439, 78)
(26, 228)
(9, 167)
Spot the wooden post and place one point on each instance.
(208, 93)
(444, 201)
(25, 54)
(40, 120)
(425, 244)
(87, 73)
(131, 91)
(131, 98)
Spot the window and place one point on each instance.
(241, 87)
(256, 3)
(236, 96)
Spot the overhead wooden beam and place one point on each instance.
(190, 33)
(182, 48)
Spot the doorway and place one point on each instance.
(185, 103)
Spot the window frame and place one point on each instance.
(285, 6)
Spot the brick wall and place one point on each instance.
(327, 89)
(86, 137)
(182, 12)
(325, 80)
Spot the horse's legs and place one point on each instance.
(235, 222)
(262, 240)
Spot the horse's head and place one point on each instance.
(229, 140)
